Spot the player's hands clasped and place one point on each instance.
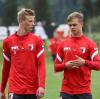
(75, 63)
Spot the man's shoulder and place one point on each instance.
(64, 42)
(9, 38)
(89, 40)
(35, 37)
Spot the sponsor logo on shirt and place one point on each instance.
(67, 49)
(14, 49)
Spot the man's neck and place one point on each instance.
(21, 32)
(77, 35)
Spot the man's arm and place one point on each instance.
(6, 67)
(5, 75)
(41, 68)
(59, 65)
(94, 63)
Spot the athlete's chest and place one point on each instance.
(22, 45)
(77, 47)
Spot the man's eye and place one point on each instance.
(72, 25)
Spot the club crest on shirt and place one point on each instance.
(66, 48)
(14, 49)
(31, 46)
(83, 49)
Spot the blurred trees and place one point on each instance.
(87, 9)
(42, 10)
(10, 12)
(48, 10)
(91, 11)
(43, 15)
(91, 8)
(97, 7)
(12, 6)
(26, 4)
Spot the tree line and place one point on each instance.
(90, 8)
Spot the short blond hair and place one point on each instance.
(77, 15)
(23, 12)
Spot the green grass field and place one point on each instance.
(53, 81)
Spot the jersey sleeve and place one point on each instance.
(59, 65)
(6, 65)
(94, 63)
(41, 63)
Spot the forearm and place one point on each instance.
(42, 70)
(42, 77)
(95, 65)
(59, 67)
(5, 75)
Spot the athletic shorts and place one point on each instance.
(26, 96)
(77, 96)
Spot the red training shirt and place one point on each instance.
(24, 64)
(78, 80)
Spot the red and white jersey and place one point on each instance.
(24, 61)
(78, 80)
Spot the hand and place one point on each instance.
(40, 92)
(79, 61)
(70, 65)
(2, 96)
(75, 63)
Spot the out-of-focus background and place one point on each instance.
(51, 15)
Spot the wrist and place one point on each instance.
(84, 61)
(67, 65)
